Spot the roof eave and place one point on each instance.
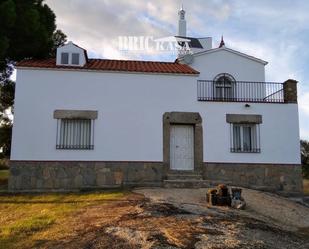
(80, 69)
(229, 50)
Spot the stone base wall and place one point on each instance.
(38, 176)
(48, 176)
(285, 179)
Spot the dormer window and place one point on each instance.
(75, 58)
(65, 58)
(71, 55)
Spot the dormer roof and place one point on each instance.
(72, 55)
(85, 51)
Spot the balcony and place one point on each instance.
(245, 91)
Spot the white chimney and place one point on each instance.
(182, 24)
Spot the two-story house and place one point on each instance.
(207, 117)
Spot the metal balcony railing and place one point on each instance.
(240, 91)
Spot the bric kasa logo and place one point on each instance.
(137, 44)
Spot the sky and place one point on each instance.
(276, 31)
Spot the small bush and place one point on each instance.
(4, 164)
(305, 170)
(4, 175)
(304, 149)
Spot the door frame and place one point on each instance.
(184, 118)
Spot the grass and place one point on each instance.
(29, 219)
(306, 186)
(28, 225)
(4, 175)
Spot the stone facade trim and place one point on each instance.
(75, 114)
(244, 118)
(290, 91)
(190, 118)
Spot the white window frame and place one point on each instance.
(254, 138)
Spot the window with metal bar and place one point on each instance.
(245, 138)
(224, 87)
(75, 134)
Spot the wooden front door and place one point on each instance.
(182, 147)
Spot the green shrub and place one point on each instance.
(305, 170)
(304, 150)
(4, 164)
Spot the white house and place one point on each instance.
(208, 117)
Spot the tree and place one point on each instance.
(304, 149)
(27, 30)
(5, 139)
(59, 39)
(7, 89)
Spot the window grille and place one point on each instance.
(75, 134)
(245, 138)
(224, 87)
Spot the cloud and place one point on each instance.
(97, 24)
(304, 99)
(275, 31)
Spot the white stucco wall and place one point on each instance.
(130, 109)
(221, 61)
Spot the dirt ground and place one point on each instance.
(180, 218)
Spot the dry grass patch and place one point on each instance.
(29, 220)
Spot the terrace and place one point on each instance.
(226, 90)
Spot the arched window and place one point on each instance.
(224, 87)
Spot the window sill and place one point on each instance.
(61, 147)
(246, 151)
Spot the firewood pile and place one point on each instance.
(221, 196)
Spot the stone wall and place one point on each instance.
(78, 175)
(290, 91)
(285, 179)
(39, 176)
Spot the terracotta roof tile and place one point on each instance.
(115, 65)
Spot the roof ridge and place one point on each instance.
(125, 60)
(114, 65)
(103, 59)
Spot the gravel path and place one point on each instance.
(269, 221)
(266, 206)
